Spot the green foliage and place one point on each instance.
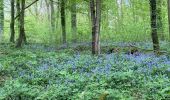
(131, 24)
(44, 72)
(36, 72)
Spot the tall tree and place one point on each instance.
(120, 14)
(120, 8)
(36, 10)
(48, 8)
(12, 24)
(74, 20)
(153, 10)
(159, 19)
(52, 16)
(63, 20)
(95, 7)
(132, 5)
(21, 24)
(57, 14)
(18, 8)
(1, 17)
(168, 1)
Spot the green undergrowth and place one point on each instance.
(42, 72)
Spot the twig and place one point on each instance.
(26, 8)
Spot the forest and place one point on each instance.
(84, 49)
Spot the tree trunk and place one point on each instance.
(1, 17)
(36, 9)
(159, 19)
(18, 6)
(48, 9)
(57, 15)
(18, 12)
(12, 24)
(52, 16)
(154, 25)
(93, 12)
(169, 17)
(63, 21)
(23, 16)
(21, 24)
(132, 4)
(98, 19)
(120, 15)
(95, 18)
(74, 20)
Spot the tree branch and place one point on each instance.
(26, 8)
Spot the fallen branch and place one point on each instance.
(142, 49)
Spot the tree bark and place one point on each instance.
(159, 20)
(27, 7)
(48, 9)
(63, 21)
(12, 24)
(155, 39)
(52, 16)
(98, 20)
(57, 15)
(1, 17)
(21, 24)
(132, 4)
(95, 6)
(93, 12)
(74, 20)
(169, 17)
(36, 10)
(120, 15)
(18, 11)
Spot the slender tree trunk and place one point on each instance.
(95, 17)
(169, 17)
(63, 21)
(57, 15)
(36, 10)
(120, 10)
(21, 24)
(52, 16)
(24, 36)
(18, 12)
(1, 17)
(132, 3)
(48, 9)
(120, 15)
(98, 20)
(74, 20)
(154, 25)
(93, 12)
(12, 24)
(23, 18)
(18, 6)
(159, 19)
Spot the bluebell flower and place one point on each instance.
(31, 76)
(88, 74)
(43, 67)
(167, 62)
(21, 73)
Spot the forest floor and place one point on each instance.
(44, 72)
